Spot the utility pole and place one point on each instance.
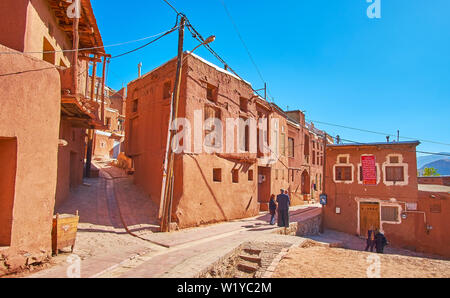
(168, 174)
(324, 175)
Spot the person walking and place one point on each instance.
(380, 242)
(272, 209)
(283, 209)
(370, 239)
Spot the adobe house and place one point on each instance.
(273, 166)
(210, 185)
(389, 200)
(108, 141)
(45, 113)
(306, 158)
(434, 201)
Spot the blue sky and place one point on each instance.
(322, 56)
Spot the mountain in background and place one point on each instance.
(439, 162)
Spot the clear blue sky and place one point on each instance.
(322, 56)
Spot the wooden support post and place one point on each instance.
(93, 79)
(103, 91)
(86, 92)
(76, 41)
(169, 179)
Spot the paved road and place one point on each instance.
(107, 250)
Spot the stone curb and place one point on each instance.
(271, 269)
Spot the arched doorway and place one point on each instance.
(305, 182)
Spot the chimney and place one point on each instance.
(139, 69)
(387, 139)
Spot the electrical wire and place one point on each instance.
(92, 48)
(376, 132)
(168, 3)
(147, 44)
(242, 40)
(196, 35)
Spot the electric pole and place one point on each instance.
(324, 175)
(168, 173)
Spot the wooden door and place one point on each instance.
(369, 215)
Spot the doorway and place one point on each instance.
(264, 185)
(8, 162)
(369, 215)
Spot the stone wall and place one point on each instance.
(307, 227)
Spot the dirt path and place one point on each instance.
(313, 261)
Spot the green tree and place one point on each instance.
(430, 172)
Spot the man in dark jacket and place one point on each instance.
(272, 209)
(380, 242)
(283, 209)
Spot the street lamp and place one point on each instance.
(207, 41)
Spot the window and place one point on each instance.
(243, 104)
(394, 174)
(211, 92)
(217, 175)
(344, 173)
(244, 135)
(306, 147)
(314, 157)
(212, 113)
(389, 213)
(135, 105)
(235, 176)
(167, 90)
(250, 175)
(283, 144)
(276, 174)
(49, 52)
(393, 159)
(108, 122)
(291, 147)
(343, 159)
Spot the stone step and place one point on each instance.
(251, 251)
(252, 259)
(247, 267)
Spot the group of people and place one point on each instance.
(281, 204)
(375, 239)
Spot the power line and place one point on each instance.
(376, 132)
(147, 44)
(168, 3)
(242, 40)
(91, 48)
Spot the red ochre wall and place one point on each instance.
(411, 232)
(197, 198)
(70, 161)
(30, 112)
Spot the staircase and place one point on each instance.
(249, 262)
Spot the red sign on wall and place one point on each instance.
(369, 170)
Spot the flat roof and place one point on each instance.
(434, 188)
(375, 144)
